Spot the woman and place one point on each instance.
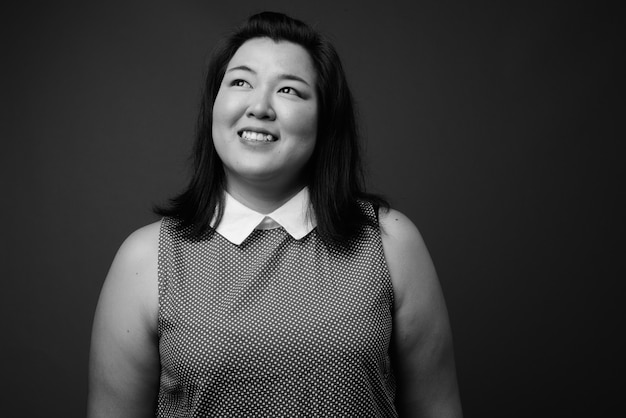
(274, 286)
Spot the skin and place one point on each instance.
(423, 354)
(124, 360)
(267, 87)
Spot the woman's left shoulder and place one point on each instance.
(422, 336)
(399, 234)
(406, 253)
(397, 227)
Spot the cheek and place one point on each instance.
(219, 112)
(220, 124)
(225, 111)
(303, 124)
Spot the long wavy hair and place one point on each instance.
(334, 173)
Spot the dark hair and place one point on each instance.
(333, 174)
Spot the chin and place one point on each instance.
(256, 173)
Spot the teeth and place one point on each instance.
(257, 136)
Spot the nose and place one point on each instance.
(260, 106)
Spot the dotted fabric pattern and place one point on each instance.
(274, 327)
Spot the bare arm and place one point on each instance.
(124, 359)
(423, 354)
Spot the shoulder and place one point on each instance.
(407, 256)
(422, 337)
(141, 244)
(124, 362)
(397, 228)
(134, 273)
(138, 253)
(401, 239)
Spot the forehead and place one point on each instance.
(264, 55)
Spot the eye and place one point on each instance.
(289, 90)
(240, 83)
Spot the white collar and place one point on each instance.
(239, 221)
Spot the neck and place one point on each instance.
(260, 198)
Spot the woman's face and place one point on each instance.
(265, 115)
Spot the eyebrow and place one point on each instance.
(283, 76)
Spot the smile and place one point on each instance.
(257, 136)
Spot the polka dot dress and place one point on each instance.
(274, 327)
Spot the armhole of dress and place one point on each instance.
(376, 207)
(164, 266)
(379, 233)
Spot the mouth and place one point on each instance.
(256, 136)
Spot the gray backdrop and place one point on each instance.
(495, 127)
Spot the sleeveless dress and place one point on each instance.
(274, 327)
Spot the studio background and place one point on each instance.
(494, 127)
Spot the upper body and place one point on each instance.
(125, 364)
(273, 124)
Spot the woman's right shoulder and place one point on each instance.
(144, 238)
(140, 247)
(136, 263)
(130, 287)
(124, 360)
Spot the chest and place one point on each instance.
(275, 306)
